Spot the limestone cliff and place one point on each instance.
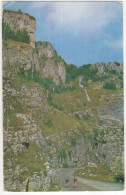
(48, 120)
(51, 64)
(18, 20)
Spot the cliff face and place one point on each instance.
(102, 67)
(23, 57)
(20, 55)
(21, 21)
(49, 123)
(45, 49)
(51, 64)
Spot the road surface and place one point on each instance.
(85, 184)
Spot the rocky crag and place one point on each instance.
(19, 20)
(48, 120)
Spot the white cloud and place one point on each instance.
(85, 17)
(117, 44)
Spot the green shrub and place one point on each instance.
(77, 116)
(110, 85)
(43, 59)
(119, 177)
(113, 71)
(85, 116)
(7, 32)
(61, 89)
(73, 142)
(65, 165)
(99, 78)
(61, 154)
(122, 131)
(31, 17)
(5, 45)
(57, 58)
(121, 84)
(19, 11)
(71, 72)
(85, 70)
(94, 137)
(49, 142)
(84, 82)
(117, 63)
(44, 43)
(47, 121)
(20, 35)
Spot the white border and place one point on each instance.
(1, 108)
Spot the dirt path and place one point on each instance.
(85, 184)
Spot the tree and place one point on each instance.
(19, 11)
(117, 63)
(20, 35)
(25, 36)
(7, 32)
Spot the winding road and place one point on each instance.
(85, 184)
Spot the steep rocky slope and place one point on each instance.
(49, 121)
(19, 20)
(50, 63)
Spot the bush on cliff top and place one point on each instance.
(19, 11)
(72, 72)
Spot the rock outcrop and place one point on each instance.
(18, 20)
(51, 65)
(45, 49)
(103, 67)
(106, 149)
(22, 57)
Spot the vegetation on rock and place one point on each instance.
(20, 35)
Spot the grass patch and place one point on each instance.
(30, 159)
(16, 122)
(55, 186)
(58, 121)
(96, 173)
(61, 154)
(47, 121)
(12, 106)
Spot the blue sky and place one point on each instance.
(81, 32)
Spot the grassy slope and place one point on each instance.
(76, 100)
(96, 173)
